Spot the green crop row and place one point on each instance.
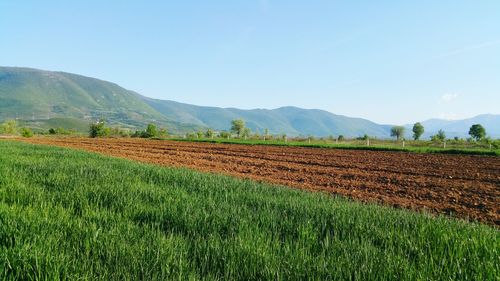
(72, 215)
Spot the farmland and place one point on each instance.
(451, 147)
(465, 186)
(67, 214)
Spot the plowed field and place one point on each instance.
(459, 185)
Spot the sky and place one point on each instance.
(393, 62)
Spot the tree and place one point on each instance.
(26, 132)
(162, 133)
(119, 132)
(191, 135)
(477, 132)
(98, 129)
(418, 130)
(209, 133)
(62, 131)
(52, 131)
(151, 130)
(440, 136)
(246, 133)
(9, 127)
(398, 132)
(266, 133)
(224, 135)
(238, 126)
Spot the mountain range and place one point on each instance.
(460, 128)
(43, 99)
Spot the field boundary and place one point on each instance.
(474, 151)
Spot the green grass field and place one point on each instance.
(376, 145)
(67, 214)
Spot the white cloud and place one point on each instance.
(448, 97)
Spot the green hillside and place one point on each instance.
(47, 99)
(28, 92)
(43, 99)
(293, 121)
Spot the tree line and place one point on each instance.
(238, 128)
(99, 129)
(476, 131)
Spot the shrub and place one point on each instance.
(191, 135)
(209, 133)
(62, 131)
(246, 133)
(365, 137)
(98, 129)
(440, 136)
(224, 135)
(151, 131)
(162, 133)
(118, 132)
(26, 132)
(9, 127)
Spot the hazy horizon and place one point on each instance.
(391, 63)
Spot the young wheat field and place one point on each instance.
(73, 215)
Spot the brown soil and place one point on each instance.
(460, 185)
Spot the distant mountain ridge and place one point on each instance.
(38, 95)
(460, 128)
(289, 120)
(47, 98)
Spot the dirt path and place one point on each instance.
(460, 185)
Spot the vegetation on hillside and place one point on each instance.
(42, 100)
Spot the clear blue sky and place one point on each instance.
(388, 61)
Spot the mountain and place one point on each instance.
(43, 96)
(460, 128)
(289, 120)
(43, 99)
